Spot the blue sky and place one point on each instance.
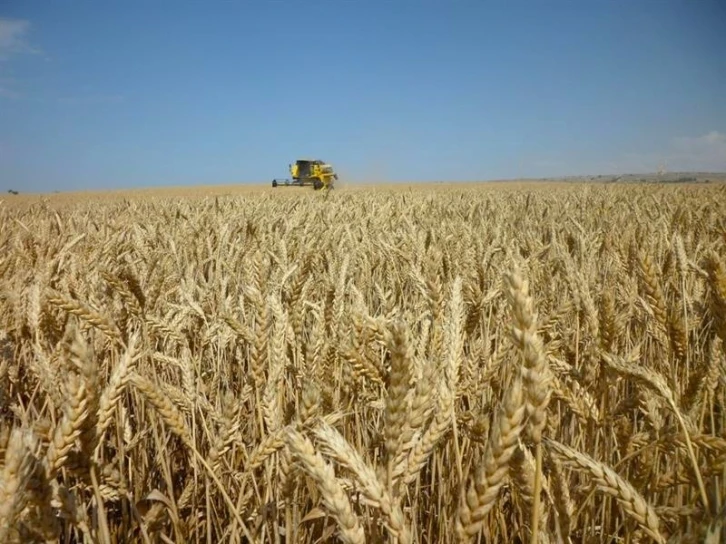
(104, 94)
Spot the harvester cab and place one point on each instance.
(307, 172)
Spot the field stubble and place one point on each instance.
(446, 365)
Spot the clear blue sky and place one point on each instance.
(97, 94)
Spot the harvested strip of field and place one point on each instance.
(510, 363)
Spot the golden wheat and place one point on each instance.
(503, 363)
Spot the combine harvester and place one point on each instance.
(306, 172)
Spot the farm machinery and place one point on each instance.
(308, 172)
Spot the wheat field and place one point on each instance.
(464, 364)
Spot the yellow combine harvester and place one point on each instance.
(304, 172)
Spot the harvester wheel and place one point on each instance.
(274, 183)
(317, 184)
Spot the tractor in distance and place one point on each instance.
(309, 172)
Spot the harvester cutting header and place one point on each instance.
(307, 172)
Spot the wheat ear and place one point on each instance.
(399, 383)
(656, 382)
(14, 479)
(334, 496)
(75, 413)
(609, 482)
(113, 391)
(476, 502)
(536, 373)
(168, 412)
(336, 446)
